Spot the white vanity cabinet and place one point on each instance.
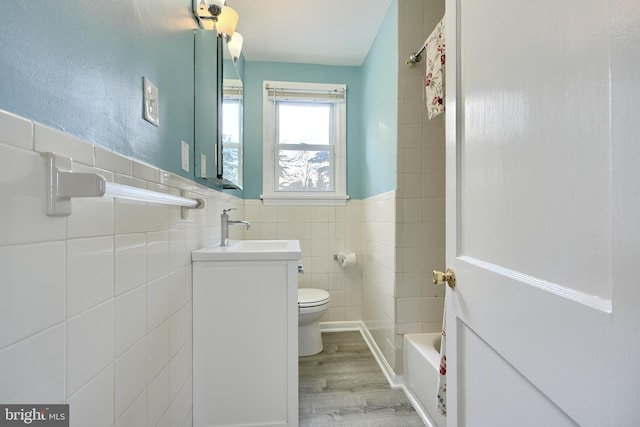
(245, 334)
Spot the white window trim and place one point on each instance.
(269, 196)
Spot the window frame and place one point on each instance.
(273, 196)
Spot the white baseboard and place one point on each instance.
(340, 326)
(426, 419)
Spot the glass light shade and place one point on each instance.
(235, 45)
(227, 21)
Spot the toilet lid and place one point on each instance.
(310, 297)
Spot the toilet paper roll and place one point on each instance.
(347, 259)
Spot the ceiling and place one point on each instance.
(329, 32)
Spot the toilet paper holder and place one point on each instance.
(346, 259)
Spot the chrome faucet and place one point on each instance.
(224, 226)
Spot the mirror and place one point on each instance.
(218, 104)
(232, 120)
(207, 106)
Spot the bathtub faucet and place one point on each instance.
(224, 226)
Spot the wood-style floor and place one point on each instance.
(344, 386)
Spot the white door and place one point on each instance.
(543, 213)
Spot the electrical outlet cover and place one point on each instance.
(150, 97)
(203, 166)
(185, 156)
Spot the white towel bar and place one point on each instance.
(63, 184)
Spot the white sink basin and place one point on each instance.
(262, 245)
(247, 250)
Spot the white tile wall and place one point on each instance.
(158, 350)
(90, 344)
(33, 370)
(158, 253)
(92, 216)
(47, 139)
(421, 237)
(130, 261)
(22, 176)
(400, 251)
(16, 131)
(93, 403)
(136, 414)
(322, 231)
(27, 306)
(180, 370)
(158, 398)
(130, 319)
(95, 307)
(111, 161)
(379, 250)
(130, 376)
(89, 273)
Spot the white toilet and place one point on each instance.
(312, 304)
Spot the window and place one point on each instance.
(304, 143)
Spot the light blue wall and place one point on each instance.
(372, 109)
(380, 110)
(256, 73)
(77, 65)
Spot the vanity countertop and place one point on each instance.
(250, 250)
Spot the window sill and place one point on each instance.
(304, 199)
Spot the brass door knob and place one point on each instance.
(450, 277)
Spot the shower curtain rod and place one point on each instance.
(417, 56)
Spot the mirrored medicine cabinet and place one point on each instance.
(218, 105)
(232, 117)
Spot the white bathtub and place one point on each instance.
(422, 365)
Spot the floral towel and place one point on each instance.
(442, 380)
(434, 81)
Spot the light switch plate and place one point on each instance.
(203, 166)
(150, 97)
(185, 156)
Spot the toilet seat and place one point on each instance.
(310, 297)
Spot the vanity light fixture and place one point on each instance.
(235, 46)
(216, 16)
(215, 8)
(208, 14)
